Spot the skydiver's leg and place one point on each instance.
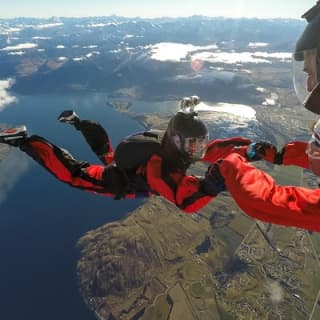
(66, 168)
(93, 132)
(108, 180)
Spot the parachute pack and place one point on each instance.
(135, 150)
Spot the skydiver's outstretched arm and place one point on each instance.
(292, 153)
(187, 192)
(220, 148)
(93, 132)
(259, 196)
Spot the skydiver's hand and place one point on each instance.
(214, 181)
(261, 150)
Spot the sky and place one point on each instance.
(154, 8)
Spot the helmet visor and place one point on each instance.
(195, 147)
(305, 76)
(313, 149)
(313, 152)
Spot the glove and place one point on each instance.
(261, 150)
(214, 181)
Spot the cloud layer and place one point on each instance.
(5, 97)
(11, 171)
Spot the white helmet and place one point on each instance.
(306, 62)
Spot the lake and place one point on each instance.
(41, 219)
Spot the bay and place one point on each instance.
(41, 219)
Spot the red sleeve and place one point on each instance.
(260, 197)
(294, 153)
(155, 179)
(184, 191)
(220, 148)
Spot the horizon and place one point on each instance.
(292, 9)
(56, 18)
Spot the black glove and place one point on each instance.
(261, 150)
(214, 181)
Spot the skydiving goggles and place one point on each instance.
(313, 152)
(306, 70)
(195, 147)
(305, 67)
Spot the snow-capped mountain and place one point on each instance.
(110, 53)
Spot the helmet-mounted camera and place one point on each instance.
(187, 104)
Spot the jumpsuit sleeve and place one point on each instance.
(220, 148)
(260, 197)
(182, 190)
(98, 140)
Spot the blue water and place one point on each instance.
(145, 107)
(41, 219)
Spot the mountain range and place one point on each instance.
(156, 57)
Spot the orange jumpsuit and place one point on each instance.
(156, 175)
(260, 197)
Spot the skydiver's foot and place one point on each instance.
(13, 136)
(69, 116)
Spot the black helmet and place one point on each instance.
(306, 59)
(188, 134)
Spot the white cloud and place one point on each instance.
(272, 100)
(41, 38)
(171, 51)
(229, 57)
(78, 58)
(90, 47)
(283, 56)
(47, 25)
(242, 57)
(5, 97)
(93, 53)
(128, 36)
(239, 110)
(100, 25)
(16, 53)
(276, 292)
(20, 46)
(257, 44)
(11, 171)
(6, 31)
(259, 89)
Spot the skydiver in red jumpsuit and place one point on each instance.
(162, 170)
(256, 192)
(151, 162)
